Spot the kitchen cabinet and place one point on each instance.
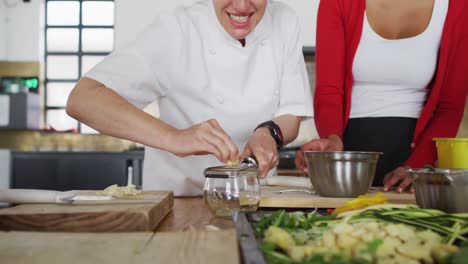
(75, 170)
(30, 172)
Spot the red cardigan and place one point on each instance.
(339, 28)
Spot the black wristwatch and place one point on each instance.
(275, 132)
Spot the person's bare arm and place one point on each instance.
(289, 125)
(106, 111)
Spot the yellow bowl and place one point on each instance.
(452, 153)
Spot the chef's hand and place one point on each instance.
(205, 138)
(400, 177)
(331, 143)
(262, 146)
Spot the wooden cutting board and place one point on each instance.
(115, 248)
(270, 198)
(113, 216)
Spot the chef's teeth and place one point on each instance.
(240, 19)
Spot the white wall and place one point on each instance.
(21, 26)
(307, 12)
(132, 16)
(20, 31)
(2, 32)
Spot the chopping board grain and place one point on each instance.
(116, 248)
(113, 216)
(270, 198)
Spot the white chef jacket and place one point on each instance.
(197, 71)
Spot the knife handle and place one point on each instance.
(22, 196)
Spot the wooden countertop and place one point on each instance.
(290, 172)
(186, 214)
(166, 245)
(191, 214)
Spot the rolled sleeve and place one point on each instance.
(136, 72)
(128, 75)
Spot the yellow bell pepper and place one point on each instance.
(361, 202)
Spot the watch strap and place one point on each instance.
(275, 132)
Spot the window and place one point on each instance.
(78, 35)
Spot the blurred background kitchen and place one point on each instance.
(45, 47)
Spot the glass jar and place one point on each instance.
(229, 189)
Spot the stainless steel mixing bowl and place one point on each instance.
(443, 189)
(341, 173)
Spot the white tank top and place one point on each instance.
(391, 76)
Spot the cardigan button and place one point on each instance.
(413, 145)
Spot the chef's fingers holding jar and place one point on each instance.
(204, 138)
(263, 147)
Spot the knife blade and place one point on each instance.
(71, 199)
(97, 199)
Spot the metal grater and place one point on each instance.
(247, 165)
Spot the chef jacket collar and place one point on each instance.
(261, 32)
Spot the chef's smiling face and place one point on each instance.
(239, 17)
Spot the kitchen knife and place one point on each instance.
(20, 196)
(289, 181)
(30, 196)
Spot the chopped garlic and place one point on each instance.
(124, 191)
(232, 163)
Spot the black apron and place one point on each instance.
(390, 135)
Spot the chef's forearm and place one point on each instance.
(104, 110)
(289, 125)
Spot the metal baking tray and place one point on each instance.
(249, 244)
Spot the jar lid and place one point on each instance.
(229, 172)
(247, 165)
